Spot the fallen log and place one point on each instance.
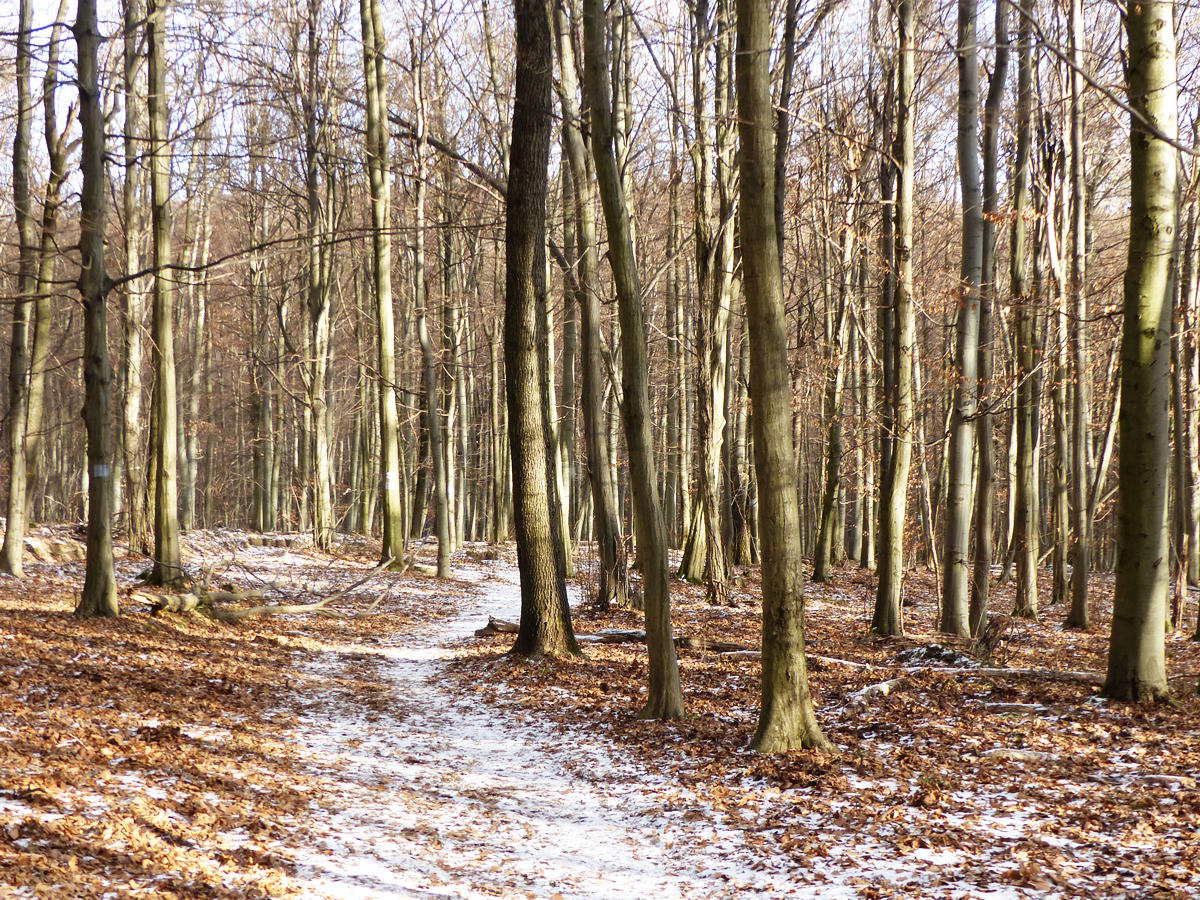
(1019, 754)
(497, 626)
(628, 636)
(865, 695)
(703, 643)
(193, 600)
(727, 650)
(322, 608)
(212, 603)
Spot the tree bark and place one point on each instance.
(57, 145)
(545, 617)
(168, 560)
(664, 697)
(985, 487)
(957, 524)
(896, 463)
(613, 586)
(1136, 655)
(1079, 616)
(13, 551)
(374, 61)
(99, 597)
(786, 720)
(1027, 506)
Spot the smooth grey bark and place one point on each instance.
(438, 449)
(1079, 616)
(1186, 374)
(374, 67)
(956, 525)
(13, 551)
(612, 587)
(1136, 654)
(704, 557)
(825, 555)
(664, 696)
(134, 290)
(58, 142)
(786, 719)
(99, 597)
(985, 487)
(1027, 505)
(500, 513)
(318, 197)
(168, 559)
(900, 337)
(545, 628)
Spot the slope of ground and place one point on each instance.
(954, 784)
(333, 758)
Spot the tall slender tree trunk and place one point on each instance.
(787, 719)
(13, 551)
(825, 556)
(438, 450)
(374, 61)
(985, 487)
(704, 557)
(896, 462)
(957, 524)
(168, 560)
(664, 697)
(99, 597)
(40, 356)
(1081, 396)
(1026, 509)
(1136, 655)
(545, 617)
(133, 292)
(613, 585)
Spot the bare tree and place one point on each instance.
(1137, 655)
(786, 719)
(545, 617)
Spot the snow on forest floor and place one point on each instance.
(445, 798)
(392, 754)
(956, 784)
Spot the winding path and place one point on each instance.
(446, 799)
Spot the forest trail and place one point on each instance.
(444, 798)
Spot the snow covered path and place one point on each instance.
(446, 799)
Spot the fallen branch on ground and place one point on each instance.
(727, 650)
(212, 603)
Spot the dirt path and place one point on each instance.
(442, 798)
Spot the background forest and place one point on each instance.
(291, 316)
(856, 334)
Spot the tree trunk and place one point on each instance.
(986, 479)
(786, 719)
(56, 153)
(705, 557)
(545, 617)
(99, 597)
(896, 462)
(13, 551)
(168, 561)
(1026, 509)
(664, 697)
(824, 556)
(957, 525)
(1136, 655)
(438, 450)
(1079, 616)
(613, 587)
(374, 61)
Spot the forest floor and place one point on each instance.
(392, 754)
